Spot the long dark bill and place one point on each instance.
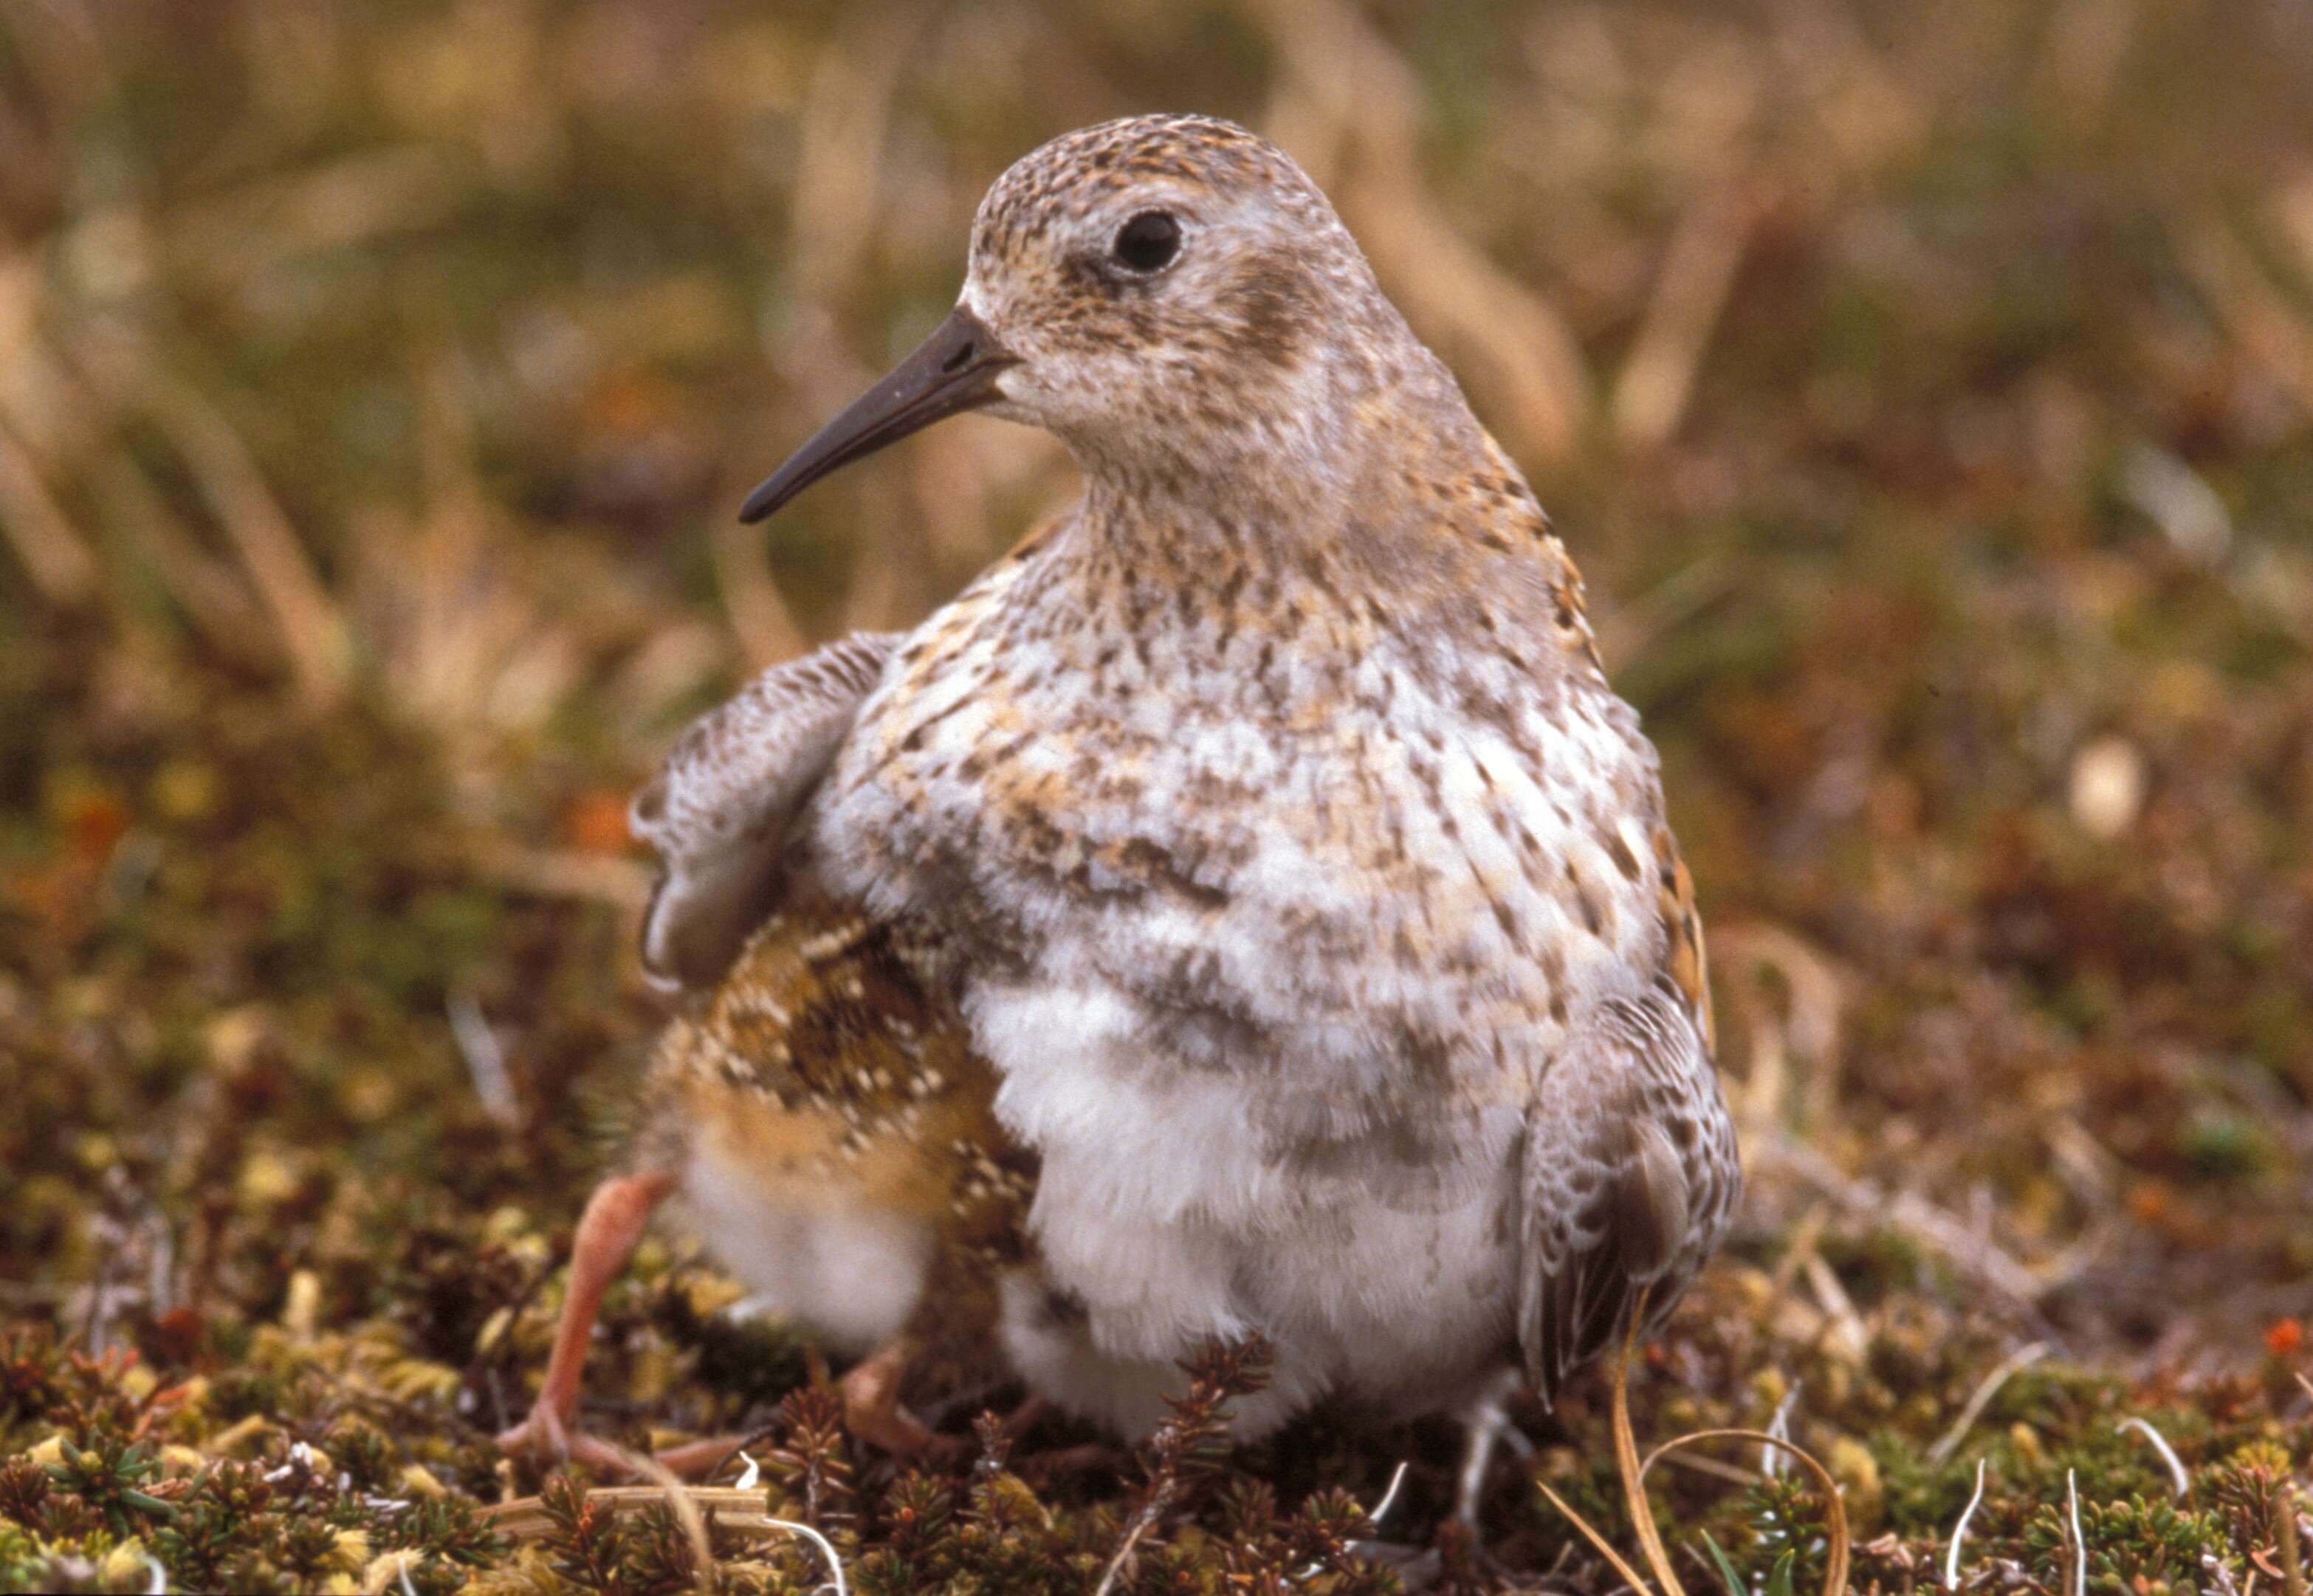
(955, 370)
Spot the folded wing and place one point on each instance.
(720, 810)
(1629, 1175)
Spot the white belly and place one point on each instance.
(1162, 1209)
(847, 1273)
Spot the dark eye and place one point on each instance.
(1149, 242)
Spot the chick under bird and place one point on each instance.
(1257, 857)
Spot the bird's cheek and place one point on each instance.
(1020, 397)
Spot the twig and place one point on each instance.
(2284, 1539)
(1971, 1254)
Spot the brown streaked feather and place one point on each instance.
(1630, 1173)
(1684, 961)
(826, 1068)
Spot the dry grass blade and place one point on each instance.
(1980, 1399)
(214, 601)
(685, 1508)
(1626, 1460)
(2080, 1559)
(314, 632)
(623, 883)
(341, 204)
(1659, 377)
(1834, 1575)
(1959, 1532)
(2176, 1465)
(740, 1511)
(1141, 1523)
(1631, 1576)
(1969, 1252)
(1633, 1470)
(760, 617)
(2265, 325)
(841, 173)
(53, 552)
(2284, 1539)
(1348, 89)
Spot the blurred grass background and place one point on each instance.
(1926, 391)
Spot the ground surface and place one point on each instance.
(1925, 390)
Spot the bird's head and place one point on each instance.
(1170, 296)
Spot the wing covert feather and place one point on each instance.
(1629, 1175)
(719, 810)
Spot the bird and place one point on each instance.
(1262, 839)
(824, 1119)
(820, 1111)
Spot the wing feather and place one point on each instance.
(1629, 1175)
(719, 812)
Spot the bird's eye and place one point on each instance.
(1147, 242)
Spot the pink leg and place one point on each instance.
(698, 1460)
(872, 1409)
(1024, 1418)
(608, 1232)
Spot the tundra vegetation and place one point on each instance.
(1926, 391)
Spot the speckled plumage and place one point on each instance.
(834, 1133)
(1271, 826)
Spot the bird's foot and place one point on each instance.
(873, 1411)
(546, 1438)
(696, 1461)
(1456, 1557)
(1039, 1468)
